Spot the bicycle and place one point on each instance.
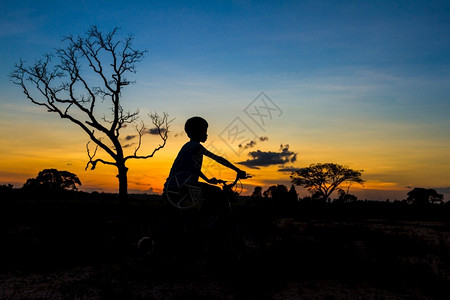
(197, 220)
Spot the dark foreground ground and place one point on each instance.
(86, 249)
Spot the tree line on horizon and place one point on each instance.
(321, 180)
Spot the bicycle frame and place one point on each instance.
(187, 196)
(147, 244)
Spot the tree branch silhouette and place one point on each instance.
(76, 92)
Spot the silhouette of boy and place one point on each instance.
(187, 169)
(188, 163)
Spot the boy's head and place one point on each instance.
(196, 128)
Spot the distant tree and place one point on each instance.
(276, 192)
(322, 179)
(293, 195)
(257, 192)
(268, 193)
(52, 179)
(345, 197)
(423, 197)
(6, 191)
(85, 95)
(6, 187)
(316, 196)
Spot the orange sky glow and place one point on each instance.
(362, 84)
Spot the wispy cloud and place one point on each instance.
(128, 145)
(179, 134)
(253, 143)
(288, 169)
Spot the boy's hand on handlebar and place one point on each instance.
(213, 181)
(241, 174)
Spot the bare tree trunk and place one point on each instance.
(123, 184)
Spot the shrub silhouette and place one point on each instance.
(257, 193)
(280, 195)
(276, 192)
(345, 197)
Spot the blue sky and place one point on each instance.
(362, 83)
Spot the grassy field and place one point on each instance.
(85, 247)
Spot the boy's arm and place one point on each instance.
(212, 180)
(223, 162)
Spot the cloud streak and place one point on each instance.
(288, 169)
(155, 131)
(128, 145)
(130, 137)
(151, 131)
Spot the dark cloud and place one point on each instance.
(155, 131)
(253, 143)
(264, 159)
(130, 137)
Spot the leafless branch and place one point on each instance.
(91, 158)
(162, 124)
(140, 130)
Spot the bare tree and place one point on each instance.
(324, 179)
(87, 82)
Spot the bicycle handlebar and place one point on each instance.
(224, 183)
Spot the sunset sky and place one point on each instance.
(364, 84)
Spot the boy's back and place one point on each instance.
(187, 164)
